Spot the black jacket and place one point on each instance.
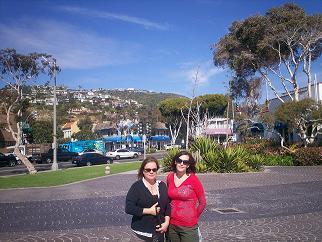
(139, 197)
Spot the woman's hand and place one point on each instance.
(154, 210)
(164, 226)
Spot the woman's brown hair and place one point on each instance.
(192, 162)
(144, 162)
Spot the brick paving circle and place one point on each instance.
(279, 204)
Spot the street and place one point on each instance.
(21, 169)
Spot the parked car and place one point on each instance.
(139, 150)
(122, 153)
(170, 146)
(90, 151)
(62, 155)
(22, 148)
(14, 155)
(89, 159)
(7, 160)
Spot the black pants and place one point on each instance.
(158, 237)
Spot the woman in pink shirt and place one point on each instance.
(184, 190)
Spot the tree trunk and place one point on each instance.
(23, 158)
(25, 161)
(296, 93)
(307, 71)
(188, 129)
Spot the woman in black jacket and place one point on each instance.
(147, 200)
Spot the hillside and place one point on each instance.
(147, 98)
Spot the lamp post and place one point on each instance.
(54, 166)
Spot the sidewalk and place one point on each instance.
(280, 204)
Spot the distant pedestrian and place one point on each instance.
(147, 200)
(184, 190)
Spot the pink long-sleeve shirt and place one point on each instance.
(184, 209)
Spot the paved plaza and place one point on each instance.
(279, 204)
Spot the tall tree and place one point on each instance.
(277, 44)
(214, 104)
(16, 70)
(305, 117)
(42, 131)
(171, 109)
(85, 125)
(203, 108)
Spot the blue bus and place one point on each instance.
(82, 145)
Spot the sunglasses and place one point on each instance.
(149, 170)
(179, 161)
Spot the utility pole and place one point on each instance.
(227, 127)
(54, 166)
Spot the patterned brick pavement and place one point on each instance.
(279, 204)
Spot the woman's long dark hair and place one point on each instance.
(146, 161)
(192, 162)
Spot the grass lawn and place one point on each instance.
(54, 178)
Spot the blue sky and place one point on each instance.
(142, 44)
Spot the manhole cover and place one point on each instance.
(227, 210)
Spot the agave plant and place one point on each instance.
(212, 161)
(204, 145)
(255, 161)
(233, 159)
(200, 149)
(167, 160)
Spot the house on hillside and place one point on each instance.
(106, 129)
(69, 129)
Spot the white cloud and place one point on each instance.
(186, 74)
(206, 71)
(73, 48)
(121, 17)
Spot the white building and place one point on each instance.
(273, 104)
(219, 128)
(316, 91)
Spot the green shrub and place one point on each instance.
(278, 160)
(204, 145)
(151, 150)
(260, 146)
(199, 149)
(212, 161)
(308, 156)
(167, 160)
(286, 161)
(255, 162)
(201, 166)
(232, 159)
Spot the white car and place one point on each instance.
(169, 146)
(122, 153)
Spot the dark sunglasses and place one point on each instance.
(149, 170)
(179, 161)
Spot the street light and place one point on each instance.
(54, 166)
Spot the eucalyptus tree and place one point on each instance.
(171, 110)
(276, 45)
(304, 117)
(16, 71)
